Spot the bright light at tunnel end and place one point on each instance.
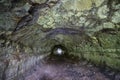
(59, 51)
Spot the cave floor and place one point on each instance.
(65, 69)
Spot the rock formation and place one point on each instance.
(89, 29)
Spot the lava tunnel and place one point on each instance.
(59, 39)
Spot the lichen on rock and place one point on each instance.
(88, 29)
(103, 12)
(116, 17)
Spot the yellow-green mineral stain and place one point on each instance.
(79, 5)
(98, 2)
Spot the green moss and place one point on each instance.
(112, 62)
(108, 41)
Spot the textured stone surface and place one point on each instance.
(89, 29)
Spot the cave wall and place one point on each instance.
(89, 29)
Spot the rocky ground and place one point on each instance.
(65, 69)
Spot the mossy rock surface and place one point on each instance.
(89, 29)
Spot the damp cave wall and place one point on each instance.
(95, 25)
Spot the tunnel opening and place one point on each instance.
(61, 52)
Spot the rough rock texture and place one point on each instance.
(89, 29)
